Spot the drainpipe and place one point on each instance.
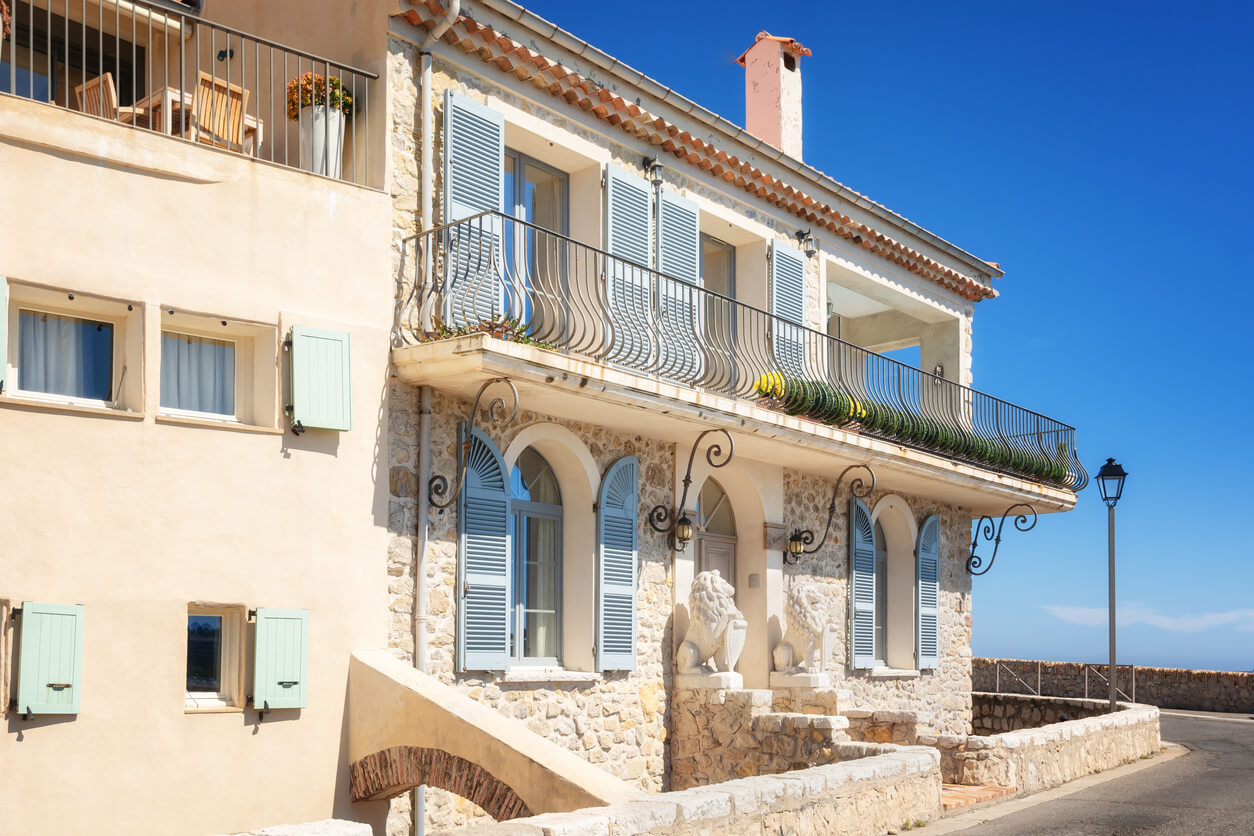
(428, 117)
(420, 560)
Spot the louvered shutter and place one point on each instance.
(4, 335)
(862, 613)
(50, 661)
(788, 304)
(629, 239)
(280, 659)
(616, 570)
(928, 555)
(322, 379)
(474, 182)
(679, 261)
(484, 558)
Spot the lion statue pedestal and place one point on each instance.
(716, 636)
(809, 632)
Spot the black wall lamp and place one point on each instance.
(674, 522)
(809, 245)
(800, 539)
(653, 170)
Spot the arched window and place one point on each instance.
(536, 505)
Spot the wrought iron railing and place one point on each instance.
(492, 272)
(158, 66)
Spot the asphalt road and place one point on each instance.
(1209, 790)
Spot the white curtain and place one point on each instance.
(62, 355)
(542, 606)
(197, 374)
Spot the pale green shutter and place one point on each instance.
(788, 301)
(322, 379)
(281, 659)
(617, 527)
(679, 261)
(483, 522)
(928, 556)
(4, 335)
(50, 662)
(862, 613)
(474, 183)
(629, 239)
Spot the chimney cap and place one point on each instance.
(787, 44)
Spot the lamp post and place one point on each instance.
(1110, 483)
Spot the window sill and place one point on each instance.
(549, 675)
(892, 673)
(209, 423)
(213, 709)
(68, 406)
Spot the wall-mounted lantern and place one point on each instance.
(674, 522)
(809, 245)
(800, 539)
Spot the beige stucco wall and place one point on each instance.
(134, 519)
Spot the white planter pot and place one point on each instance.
(321, 146)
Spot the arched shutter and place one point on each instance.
(616, 567)
(629, 238)
(474, 182)
(862, 586)
(484, 555)
(928, 555)
(679, 261)
(788, 303)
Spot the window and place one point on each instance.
(197, 375)
(538, 194)
(718, 266)
(881, 595)
(214, 658)
(65, 355)
(536, 504)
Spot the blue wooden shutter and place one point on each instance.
(50, 662)
(281, 659)
(862, 613)
(322, 379)
(616, 570)
(485, 554)
(474, 182)
(928, 556)
(629, 238)
(679, 261)
(788, 303)
(4, 334)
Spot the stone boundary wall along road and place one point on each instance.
(867, 797)
(1164, 687)
(997, 713)
(1035, 759)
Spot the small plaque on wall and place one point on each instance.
(775, 536)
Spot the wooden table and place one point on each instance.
(169, 108)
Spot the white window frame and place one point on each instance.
(17, 308)
(230, 696)
(256, 367)
(239, 390)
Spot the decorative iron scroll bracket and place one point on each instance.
(800, 539)
(1022, 522)
(438, 492)
(674, 522)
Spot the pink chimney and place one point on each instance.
(773, 91)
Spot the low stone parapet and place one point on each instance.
(870, 796)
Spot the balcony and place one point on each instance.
(158, 67)
(571, 317)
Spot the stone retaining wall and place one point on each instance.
(1036, 759)
(874, 795)
(1164, 687)
(996, 713)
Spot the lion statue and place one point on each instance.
(809, 631)
(713, 615)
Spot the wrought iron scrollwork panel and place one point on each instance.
(1025, 520)
(499, 414)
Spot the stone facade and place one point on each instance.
(996, 713)
(1164, 687)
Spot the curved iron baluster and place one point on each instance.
(662, 519)
(438, 487)
(1021, 523)
(857, 488)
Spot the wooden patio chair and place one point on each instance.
(99, 97)
(217, 114)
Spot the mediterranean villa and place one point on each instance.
(415, 396)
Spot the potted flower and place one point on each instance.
(321, 105)
(4, 20)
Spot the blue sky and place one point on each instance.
(1102, 153)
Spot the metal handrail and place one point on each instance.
(516, 279)
(168, 51)
(1097, 672)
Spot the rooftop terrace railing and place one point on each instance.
(158, 66)
(519, 281)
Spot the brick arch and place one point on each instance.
(390, 772)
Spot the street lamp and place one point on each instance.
(1110, 483)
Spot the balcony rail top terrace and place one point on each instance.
(158, 66)
(518, 281)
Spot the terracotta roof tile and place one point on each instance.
(790, 44)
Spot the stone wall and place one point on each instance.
(875, 795)
(996, 713)
(1031, 760)
(1164, 687)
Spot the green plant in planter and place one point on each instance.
(309, 89)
